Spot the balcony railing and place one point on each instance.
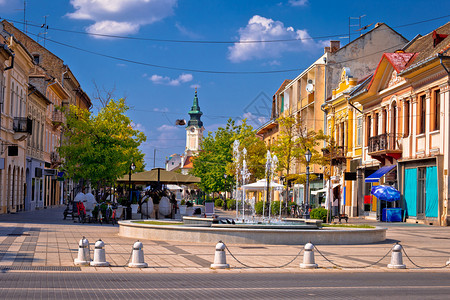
(383, 142)
(57, 117)
(55, 159)
(336, 155)
(23, 125)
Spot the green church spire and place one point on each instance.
(195, 113)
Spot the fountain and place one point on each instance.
(251, 229)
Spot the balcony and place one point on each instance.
(23, 127)
(57, 118)
(55, 159)
(336, 155)
(384, 146)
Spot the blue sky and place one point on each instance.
(159, 96)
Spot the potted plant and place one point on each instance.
(189, 208)
(183, 207)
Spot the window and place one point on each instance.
(359, 123)
(421, 114)
(384, 126)
(376, 124)
(12, 99)
(36, 58)
(368, 129)
(436, 110)
(406, 117)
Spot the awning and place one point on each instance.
(375, 177)
(319, 191)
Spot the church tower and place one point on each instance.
(194, 128)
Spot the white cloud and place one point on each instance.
(112, 28)
(183, 78)
(164, 110)
(120, 17)
(195, 86)
(186, 32)
(255, 121)
(298, 2)
(264, 29)
(138, 126)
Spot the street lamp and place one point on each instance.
(308, 159)
(132, 168)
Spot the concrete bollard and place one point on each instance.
(84, 255)
(99, 255)
(308, 257)
(137, 259)
(396, 258)
(220, 259)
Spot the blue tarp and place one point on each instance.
(375, 177)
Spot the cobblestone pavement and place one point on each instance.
(43, 241)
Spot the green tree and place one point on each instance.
(293, 140)
(214, 164)
(100, 148)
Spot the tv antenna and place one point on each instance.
(350, 25)
(25, 27)
(44, 26)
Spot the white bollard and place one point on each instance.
(308, 257)
(396, 258)
(99, 255)
(84, 255)
(220, 259)
(137, 259)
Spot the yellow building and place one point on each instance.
(15, 125)
(344, 126)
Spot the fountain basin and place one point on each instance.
(250, 235)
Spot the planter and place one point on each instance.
(189, 211)
(134, 208)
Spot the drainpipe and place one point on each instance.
(445, 210)
(10, 52)
(440, 55)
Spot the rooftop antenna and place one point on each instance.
(350, 25)
(25, 27)
(45, 28)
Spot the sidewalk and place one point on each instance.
(42, 240)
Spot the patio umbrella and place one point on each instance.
(385, 192)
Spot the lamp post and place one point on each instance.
(132, 168)
(308, 159)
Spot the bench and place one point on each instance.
(341, 216)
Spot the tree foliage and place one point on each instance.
(216, 156)
(293, 140)
(100, 148)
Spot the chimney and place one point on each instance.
(378, 24)
(335, 46)
(326, 49)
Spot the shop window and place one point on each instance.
(421, 190)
